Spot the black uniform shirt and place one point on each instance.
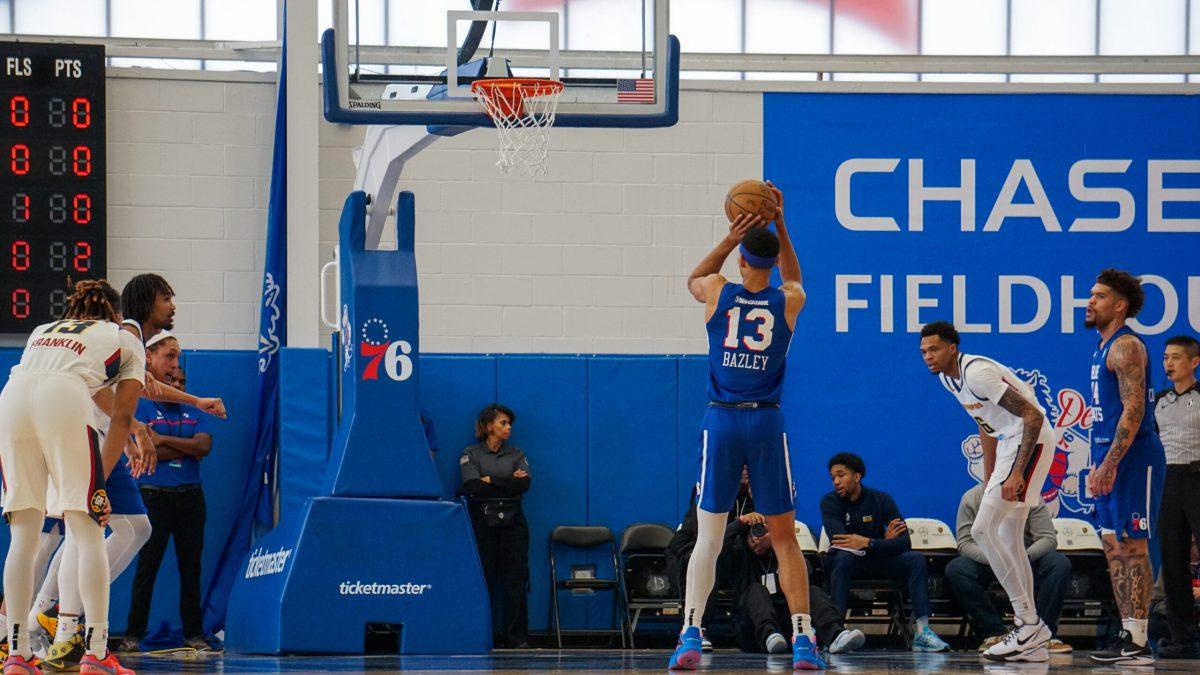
(478, 461)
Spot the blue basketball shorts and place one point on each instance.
(754, 438)
(123, 492)
(1131, 509)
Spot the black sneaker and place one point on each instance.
(1124, 652)
(129, 645)
(1178, 650)
(198, 643)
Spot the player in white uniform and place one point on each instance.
(1018, 447)
(48, 437)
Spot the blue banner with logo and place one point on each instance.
(255, 513)
(995, 212)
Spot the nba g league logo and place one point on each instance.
(1072, 418)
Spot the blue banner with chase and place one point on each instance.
(995, 212)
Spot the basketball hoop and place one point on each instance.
(523, 111)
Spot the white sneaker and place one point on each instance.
(1022, 643)
(847, 641)
(776, 644)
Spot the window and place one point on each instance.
(238, 19)
(60, 17)
(964, 27)
(1144, 27)
(154, 18)
(1066, 27)
(787, 27)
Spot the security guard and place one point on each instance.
(1177, 413)
(495, 475)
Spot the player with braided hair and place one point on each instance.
(48, 437)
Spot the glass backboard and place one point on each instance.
(412, 61)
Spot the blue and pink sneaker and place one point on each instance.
(804, 654)
(687, 654)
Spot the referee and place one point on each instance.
(1177, 412)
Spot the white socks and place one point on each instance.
(922, 623)
(702, 568)
(802, 625)
(999, 529)
(1137, 629)
(68, 625)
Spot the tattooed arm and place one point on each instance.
(1127, 359)
(1031, 419)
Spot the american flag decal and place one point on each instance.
(640, 90)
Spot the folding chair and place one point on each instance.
(936, 540)
(647, 586)
(583, 538)
(1089, 592)
(873, 601)
(808, 548)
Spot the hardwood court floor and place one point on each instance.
(639, 661)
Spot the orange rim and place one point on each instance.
(507, 94)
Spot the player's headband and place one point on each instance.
(757, 260)
(159, 337)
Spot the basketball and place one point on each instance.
(750, 196)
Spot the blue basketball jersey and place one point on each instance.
(1106, 398)
(748, 340)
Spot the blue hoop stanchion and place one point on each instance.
(379, 546)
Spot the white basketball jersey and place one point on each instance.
(97, 351)
(983, 381)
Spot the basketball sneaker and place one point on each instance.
(687, 654)
(1022, 643)
(928, 641)
(805, 655)
(16, 665)
(65, 655)
(48, 620)
(705, 644)
(1123, 651)
(4, 648)
(109, 666)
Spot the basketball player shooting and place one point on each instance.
(749, 328)
(1018, 448)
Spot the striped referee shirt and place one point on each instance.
(1178, 418)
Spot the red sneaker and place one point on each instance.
(17, 665)
(109, 666)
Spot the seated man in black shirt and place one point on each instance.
(761, 618)
(868, 539)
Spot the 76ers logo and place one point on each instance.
(1072, 418)
(374, 344)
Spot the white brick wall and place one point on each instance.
(188, 162)
(588, 258)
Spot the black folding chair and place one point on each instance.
(647, 584)
(583, 538)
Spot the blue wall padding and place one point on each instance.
(692, 391)
(549, 396)
(611, 440)
(453, 391)
(304, 426)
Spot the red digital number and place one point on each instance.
(20, 303)
(81, 209)
(83, 257)
(18, 111)
(81, 162)
(20, 255)
(19, 159)
(81, 113)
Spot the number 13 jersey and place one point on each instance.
(748, 339)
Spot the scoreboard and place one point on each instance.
(52, 178)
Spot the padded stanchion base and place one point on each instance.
(314, 586)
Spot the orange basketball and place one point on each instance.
(750, 196)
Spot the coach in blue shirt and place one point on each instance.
(173, 497)
(868, 539)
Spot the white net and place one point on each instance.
(523, 111)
